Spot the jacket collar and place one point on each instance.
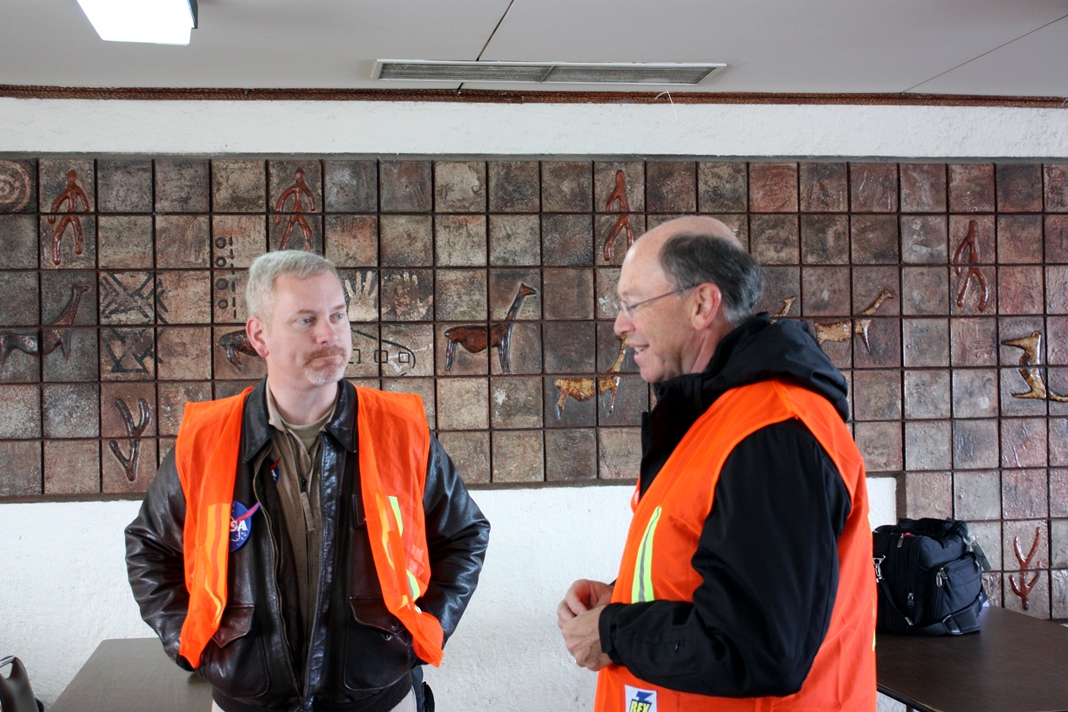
(256, 427)
(757, 350)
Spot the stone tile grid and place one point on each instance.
(600, 442)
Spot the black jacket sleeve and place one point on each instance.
(768, 557)
(154, 559)
(457, 535)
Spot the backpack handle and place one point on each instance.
(16, 695)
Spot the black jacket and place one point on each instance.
(767, 553)
(359, 655)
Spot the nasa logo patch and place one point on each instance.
(638, 700)
(240, 524)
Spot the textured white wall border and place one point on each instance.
(441, 128)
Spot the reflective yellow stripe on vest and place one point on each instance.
(413, 582)
(641, 589)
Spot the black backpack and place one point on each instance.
(930, 577)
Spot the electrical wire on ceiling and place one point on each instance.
(489, 39)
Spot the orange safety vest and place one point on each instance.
(667, 525)
(394, 445)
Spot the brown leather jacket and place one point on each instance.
(359, 655)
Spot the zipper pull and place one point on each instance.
(879, 567)
(940, 577)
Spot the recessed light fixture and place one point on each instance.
(149, 21)
(664, 74)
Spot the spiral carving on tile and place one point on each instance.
(14, 187)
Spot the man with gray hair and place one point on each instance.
(746, 580)
(307, 543)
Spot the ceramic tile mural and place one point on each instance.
(486, 286)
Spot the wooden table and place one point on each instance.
(1015, 663)
(133, 675)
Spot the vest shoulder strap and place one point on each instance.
(199, 433)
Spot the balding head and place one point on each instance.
(692, 250)
(649, 244)
(694, 225)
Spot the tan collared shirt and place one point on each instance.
(296, 450)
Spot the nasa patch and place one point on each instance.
(638, 700)
(240, 524)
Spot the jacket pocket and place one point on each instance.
(378, 648)
(234, 660)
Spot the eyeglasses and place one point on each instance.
(629, 309)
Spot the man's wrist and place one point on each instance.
(606, 627)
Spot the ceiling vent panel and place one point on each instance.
(632, 74)
(545, 72)
(461, 72)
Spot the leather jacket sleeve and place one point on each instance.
(154, 559)
(768, 558)
(457, 535)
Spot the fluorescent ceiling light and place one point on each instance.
(546, 72)
(151, 21)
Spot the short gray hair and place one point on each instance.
(265, 269)
(692, 258)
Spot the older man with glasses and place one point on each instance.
(746, 580)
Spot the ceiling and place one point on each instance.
(974, 47)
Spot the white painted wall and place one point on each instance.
(507, 654)
(62, 577)
(63, 586)
(221, 127)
